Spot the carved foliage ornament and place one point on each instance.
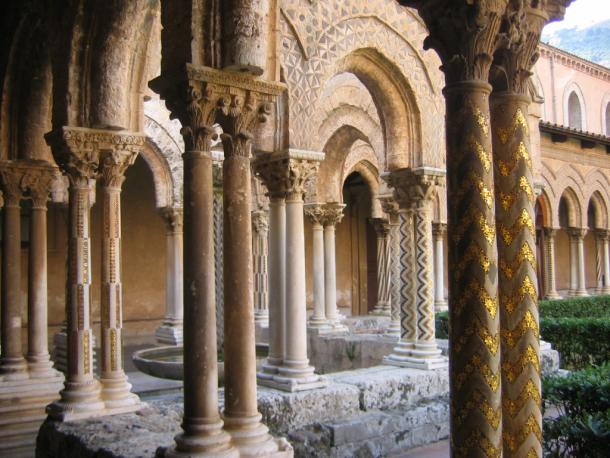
(412, 189)
(29, 179)
(287, 176)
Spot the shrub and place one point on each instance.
(442, 325)
(582, 400)
(579, 341)
(578, 307)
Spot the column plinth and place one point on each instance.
(13, 365)
(171, 331)
(116, 390)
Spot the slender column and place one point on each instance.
(390, 207)
(315, 212)
(241, 415)
(218, 255)
(549, 265)
(170, 332)
(116, 391)
(260, 251)
(384, 268)
(292, 172)
(603, 255)
(438, 233)
(573, 264)
(577, 260)
(39, 361)
(333, 213)
(467, 52)
(12, 363)
(71, 147)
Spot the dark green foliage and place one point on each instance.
(442, 325)
(582, 400)
(580, 307)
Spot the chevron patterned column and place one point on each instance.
(549, 265)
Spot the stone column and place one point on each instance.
(292, 172)
(333, 213)
(438, 233)
(39, 361)
(315, 212)
(384, 266)
(76, 150)
(466, 52)
(241, 415)
(260, 252)
(116, 391)
(390, 207)
(549, 265)
(414, 190)
(603, 254)
(170, 332)
(603, 261)
(13, 365)
(577, 262)
(202, 434)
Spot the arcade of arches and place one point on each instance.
(219, 175)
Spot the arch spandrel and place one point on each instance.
(307, 72)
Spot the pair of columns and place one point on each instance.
(170, 332)
(287, 177)
(31, 180)
(414, 190)
(86, 155)
(236, 102)
(324, 218)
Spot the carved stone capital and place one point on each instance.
(381, 226)
(549, 232)
(12, 176)
(390, 207)
(602, 234)
(414, 187)
(260, 222)
(333, 214)
(173, 219)
(113, 165)
(315, 212)
(577, 232)
(464, 33)
(289, 174)
(27, 179)
(39, 182)
(77, 150)
(439, 230)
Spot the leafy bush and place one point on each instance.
(442, 325)
(582, 400)
(578, 307)
(579, 341)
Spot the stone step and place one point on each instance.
(374, 433)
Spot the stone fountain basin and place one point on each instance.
(165, 362)
(168, 362)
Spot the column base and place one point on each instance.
(417, 356)
(316, 322)
(13, 369)
(553, 295)
(269, 368)
(327, 329)
(578, 293)
(261, 318)
(382, 309)
(441, 306)
(393, 329)
(211, 442)
(170, 334)
(41, 367)
(250, 436)
(79, 400)
(117, 396)
(296, 377)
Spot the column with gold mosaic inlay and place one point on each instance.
(113, 164)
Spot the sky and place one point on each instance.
(580, 14)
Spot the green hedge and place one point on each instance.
(578, 307)
(582, 400)
(442, 325)
(579, 341)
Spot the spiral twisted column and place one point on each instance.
(602, 236)
(116, 391)
(390, 207)
(13, 365)
(549, 264)
(384, 267)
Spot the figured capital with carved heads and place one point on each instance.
(464, 33)
(390, 207)
(381, 226)
(260, 222)
(414, 187)
(315, 212)
(12, 180)
(38, 182)
(173, 217)
(439, 230)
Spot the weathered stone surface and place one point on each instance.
(549, 361)
(283, 412)
(387, 387)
